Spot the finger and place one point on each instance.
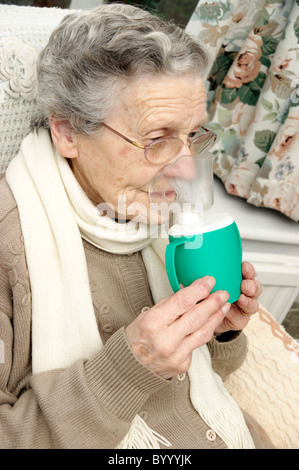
(251, 288)
(206, 332)
(248, 270)
(247, 305)
(183, 300)
(200, 314)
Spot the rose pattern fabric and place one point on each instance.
(253, 97)
(247, 65)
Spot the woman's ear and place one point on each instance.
(65, 142)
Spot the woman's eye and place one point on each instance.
(154, 139)
(192, 134)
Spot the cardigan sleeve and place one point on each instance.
(228, 352)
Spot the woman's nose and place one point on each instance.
(184, 168)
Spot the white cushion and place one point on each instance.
(24, 31)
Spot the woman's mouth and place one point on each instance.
(169, 195)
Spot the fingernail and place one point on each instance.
(226, 308)
(249, 287)
(224, 295)
(211, 281)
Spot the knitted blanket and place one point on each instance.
(267, 384)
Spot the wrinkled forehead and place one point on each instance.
(172, 102)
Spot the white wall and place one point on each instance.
(85, 4)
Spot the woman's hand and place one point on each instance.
(164, 337)
(247, 304)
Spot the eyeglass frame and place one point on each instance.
(146, 147)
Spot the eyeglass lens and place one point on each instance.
(164, 150)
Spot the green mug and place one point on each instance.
(215, 250)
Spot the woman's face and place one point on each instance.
(110, 169)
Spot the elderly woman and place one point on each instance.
(98, 352)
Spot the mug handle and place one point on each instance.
(170, 261)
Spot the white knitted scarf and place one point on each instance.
(55, 213)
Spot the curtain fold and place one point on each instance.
(253, 97)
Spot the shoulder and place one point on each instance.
(7, 201)
(13, 266)
(10, 227)
(11, 246)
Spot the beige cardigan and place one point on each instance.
(92, 403)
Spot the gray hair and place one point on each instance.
(91, 54)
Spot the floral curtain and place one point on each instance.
(253, 97)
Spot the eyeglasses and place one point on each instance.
(165, 149)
